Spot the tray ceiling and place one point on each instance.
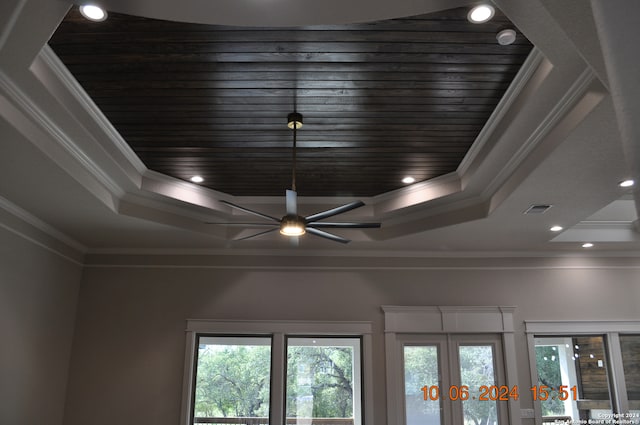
(380, 100)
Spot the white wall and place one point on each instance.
(38, 297)
(128, 356)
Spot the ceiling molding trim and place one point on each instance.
(417, 193)
(522, 78)
(292, 12)
(360, 260)
(577, 90)
(37, 116)
(69, 82)
(190, 193)
(40, 233)
(11, 23)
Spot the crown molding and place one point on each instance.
(559, 111)
(520, 81)
(36, 115)
(69, 82)
(26, 225)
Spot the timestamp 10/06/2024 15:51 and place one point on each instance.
(499, 393)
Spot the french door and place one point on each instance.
(453, 379)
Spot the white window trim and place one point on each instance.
(446, 320)
(611, 329)
(278, 330)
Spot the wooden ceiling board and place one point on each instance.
(380, 100)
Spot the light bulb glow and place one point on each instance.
(556, 228)
(587, 245)
(93, 13)
(292, 225)
(292, 230)
(481, 14)
(408, 180)
(627, 183)
(197, 179)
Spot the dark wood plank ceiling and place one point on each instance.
(380, 100)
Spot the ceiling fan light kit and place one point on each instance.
(293, 225)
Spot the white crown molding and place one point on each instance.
(80, 95)
(36, 115)
(35, 230)
(559, 111)
(522, 78)
(11, 22)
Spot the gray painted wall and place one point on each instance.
(38, 297)
(127, 364)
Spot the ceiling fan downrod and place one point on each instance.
(294, 121)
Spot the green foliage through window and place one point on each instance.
(233, 381)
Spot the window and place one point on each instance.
(585, 371)
(447, 365)
(573, 381)
(323, 381)
(260, 373)
(232, 379)
(630, 348)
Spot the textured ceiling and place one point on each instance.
(380, 100)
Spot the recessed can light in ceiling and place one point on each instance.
(556, 228)
(197, 179)
(587, 245)
(627, 183)
(481, 14)
(93, 12)
(408, 180)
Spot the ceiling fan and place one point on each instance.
(294, 225)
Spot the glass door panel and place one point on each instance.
(478, 390)
(422, 392)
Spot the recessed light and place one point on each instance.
(481, 14)
(627, 183)
(556, 228)
(587, 245)
(93, 12)
(197, 179)
(408, 180)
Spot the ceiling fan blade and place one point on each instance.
(256, 234)
(292, 202)
(237, 223)
(321, 224)
(247, 210)
(334, 211)
(327, 235)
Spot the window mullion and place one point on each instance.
(278, 362)
(618, 386)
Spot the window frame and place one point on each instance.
(278, 331)
(609, 329)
